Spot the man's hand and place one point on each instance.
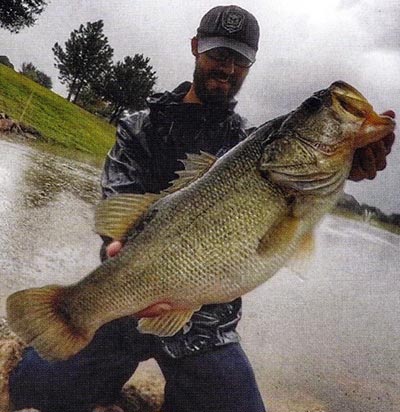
(372, 158)
(152, 311)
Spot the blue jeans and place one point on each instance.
(220, 380)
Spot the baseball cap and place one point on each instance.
(231, 27)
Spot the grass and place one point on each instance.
(65, 127)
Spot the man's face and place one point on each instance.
(216, 80)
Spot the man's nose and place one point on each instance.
(228, 66)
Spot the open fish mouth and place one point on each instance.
(349, 101)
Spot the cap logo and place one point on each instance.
(232, 21)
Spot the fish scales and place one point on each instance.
(211, 246)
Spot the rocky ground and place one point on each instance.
(143, 393)
(9, 126)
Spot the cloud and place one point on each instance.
(348, 4)
(381, 21)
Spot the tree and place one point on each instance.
(6, 61)
(128, 84)
(91, 101)
(87, 56)
(17, 14)
(29, 70)
(44, 80)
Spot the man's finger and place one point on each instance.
(356, 172)
(379, 153)
(367, 161)
(113, 248)
(388, 142)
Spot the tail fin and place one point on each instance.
(40, 317)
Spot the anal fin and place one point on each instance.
(167, 324)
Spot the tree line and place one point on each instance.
(85, 64)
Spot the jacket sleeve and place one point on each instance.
(127, 165)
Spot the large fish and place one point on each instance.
(222, 229)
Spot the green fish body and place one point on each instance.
(225, 227)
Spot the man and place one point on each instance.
(203, 364)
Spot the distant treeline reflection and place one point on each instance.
(368, 213)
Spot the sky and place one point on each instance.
(305, 45)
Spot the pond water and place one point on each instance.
(328, 339)
(46, 219)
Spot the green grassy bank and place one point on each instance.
(65, 127)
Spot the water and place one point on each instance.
(46, 219)
(325, 340)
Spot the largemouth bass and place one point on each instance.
(223, 228)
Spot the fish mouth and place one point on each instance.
(349, 101)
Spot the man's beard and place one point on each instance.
(214, 96)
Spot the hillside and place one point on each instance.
(61, 123)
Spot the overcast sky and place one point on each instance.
(304, 46)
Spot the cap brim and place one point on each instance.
(208, 43)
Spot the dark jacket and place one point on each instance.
(144, 159)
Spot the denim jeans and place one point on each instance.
(220, 380)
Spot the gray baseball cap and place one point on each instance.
(231, 27)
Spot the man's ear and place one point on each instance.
(195, 43)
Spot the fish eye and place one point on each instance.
(313, 103)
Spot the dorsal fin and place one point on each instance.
(116, 215)
(196, 165)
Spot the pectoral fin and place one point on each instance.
(279, 237)
(302, 255)
(116, 215)
(286, 235)
(166, 325)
